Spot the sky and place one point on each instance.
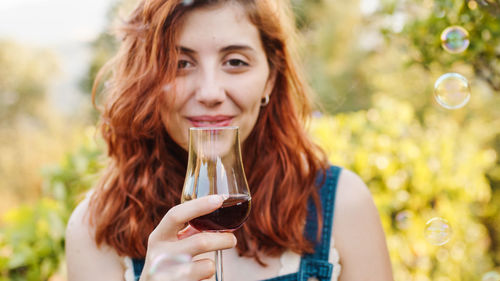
(66, 27)
(52, 22)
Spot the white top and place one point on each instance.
(289, 260)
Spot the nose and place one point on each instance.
(210, 91)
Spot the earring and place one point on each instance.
(264, 101)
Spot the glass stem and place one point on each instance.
(218, 265)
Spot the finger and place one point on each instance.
(207, 242)
(196, 244)
(202, 269)
(186, 232)
(173, 266)
(177, 217)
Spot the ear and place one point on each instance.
(271, 80)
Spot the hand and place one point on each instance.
(171, 236)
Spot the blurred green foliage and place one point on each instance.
(418, 170)
(31, 131)
(25, 75)
(32, 241)
(106, 44)
(32, 235)
(480, 18)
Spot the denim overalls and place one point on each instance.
(313, 265)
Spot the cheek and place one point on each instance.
(250, 91)
(248, 124)
(250, 113)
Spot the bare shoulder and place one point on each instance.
(355, 209)
(352, 192)
(358, 233)
(85, 260)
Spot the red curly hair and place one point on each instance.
(147, 169)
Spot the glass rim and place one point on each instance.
(213, 128)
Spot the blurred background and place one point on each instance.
(408, 97)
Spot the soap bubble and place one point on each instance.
(437, 231)
(472, 4)
(403, 219)
(317, 114)
(491, 276)
(455, 39)
(439, 11)
(452, 90)
(168, 267)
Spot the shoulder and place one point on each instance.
(354, 206)
(85, 260)
(78, 224)
(352, 192)
(358, 233)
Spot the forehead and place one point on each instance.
(218, 25)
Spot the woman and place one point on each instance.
(219, 63)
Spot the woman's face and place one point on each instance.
(222, 73)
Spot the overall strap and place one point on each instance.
(317, 264)
(138, 267)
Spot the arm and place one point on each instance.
(85, 261)
(358, 233)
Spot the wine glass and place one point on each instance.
(215, 167)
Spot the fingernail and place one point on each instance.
(215, 199)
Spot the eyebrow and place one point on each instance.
(237, 48)
(186, 50)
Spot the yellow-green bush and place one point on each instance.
(420, 168)
(32, 236)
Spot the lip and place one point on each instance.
(210, 121)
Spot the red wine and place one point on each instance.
(231, 215)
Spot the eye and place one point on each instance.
(235, 63)
(183, 64)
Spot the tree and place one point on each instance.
(422, 39)
(25, 76)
